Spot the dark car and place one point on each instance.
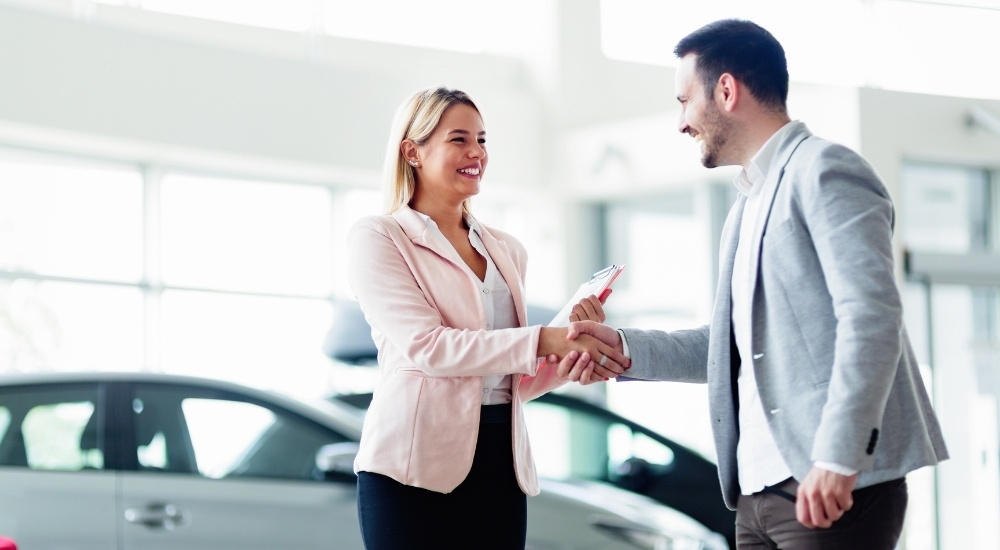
(625, 453)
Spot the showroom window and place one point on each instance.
(952, 309)
(116, 267)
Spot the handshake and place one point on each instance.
(586, 351)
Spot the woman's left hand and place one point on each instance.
(590, 309)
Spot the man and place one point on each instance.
(815, 395)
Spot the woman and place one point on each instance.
(444, 459)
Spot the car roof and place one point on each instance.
(336, 415)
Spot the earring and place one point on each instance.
(413, 163)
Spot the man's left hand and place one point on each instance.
(823, 497)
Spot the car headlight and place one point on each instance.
(645, 537)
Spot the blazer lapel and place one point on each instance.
(415, 229)
(770, 189)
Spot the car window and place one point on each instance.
(223, 436)
(46, 428)
(570, 443)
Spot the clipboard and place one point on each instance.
(598, 285)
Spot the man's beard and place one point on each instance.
(719, 131)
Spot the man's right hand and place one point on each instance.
(604, 333)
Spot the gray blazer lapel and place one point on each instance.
(770, 189)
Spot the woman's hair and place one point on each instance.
(416, 119)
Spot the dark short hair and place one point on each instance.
(746, 51)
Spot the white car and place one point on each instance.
(124, 461)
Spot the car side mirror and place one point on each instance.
(335, 461)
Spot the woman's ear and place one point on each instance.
(410, 152)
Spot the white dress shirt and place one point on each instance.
(757, 456)
(497, 303)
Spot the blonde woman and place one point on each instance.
(444, 459)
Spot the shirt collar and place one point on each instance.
(750, 180)
(469, 220)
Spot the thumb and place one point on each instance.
(575, 329)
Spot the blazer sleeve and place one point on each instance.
(850, 218)
(403, 317)
(678, 356)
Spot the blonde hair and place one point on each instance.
(415, 120)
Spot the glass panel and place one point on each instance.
(573, 443)
(272, 343)
(291, 15)
(944, 207)
(666, 249)
(223, 431)
(245, 235)
(548, 429)
(69, 326)
(349, 207)
(50, 428)
(52, 437)
(71, 221)
(965, 387)
(4, 421)
(259, 443)
(216, 437)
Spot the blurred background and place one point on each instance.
(177, 178)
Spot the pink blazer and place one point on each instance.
(428, 322)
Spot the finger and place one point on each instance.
(566, 365)
(832, 510)
(594, 377)
(817, 511)
(845, 500)
(606, 360)
(574, 316)
(590, 309)
(802, 509)
(588, 376)
(578, 367)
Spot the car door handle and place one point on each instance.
(158, 516)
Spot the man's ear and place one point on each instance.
(727, 92)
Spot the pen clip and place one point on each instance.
(603, 273)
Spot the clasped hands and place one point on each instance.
(586, 351)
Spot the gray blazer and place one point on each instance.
(837, 376)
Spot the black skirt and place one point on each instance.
(487, 510)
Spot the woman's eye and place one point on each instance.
(459, 139)
(482, 142)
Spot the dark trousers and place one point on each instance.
(875, 521)
(488, 510)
